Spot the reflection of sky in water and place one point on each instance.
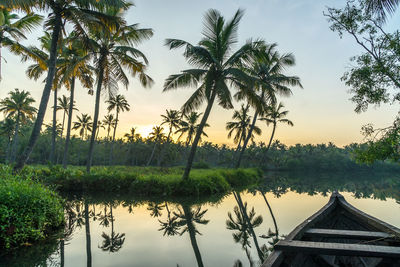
(145, 246)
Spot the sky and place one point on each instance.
(321, 112)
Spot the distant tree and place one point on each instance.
(63, 104)
(7, 128)
(189, 126)
(119, 104)
(18, 106)
(132, 136)
(84, 124)
(157, 136)
(109, 122)
(172, 119)
(275, 115)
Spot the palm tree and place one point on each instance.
(64, 104)
(171, 226)
(273, 116)
(382, 7)
(215, 66)
(73, 65)
(19, 107)
(88, 239)
(241, 125)
(132, 136)
(266, 67)
(113, 51)
(120, 104)
(157, 136)
(7, 128)
(84, 124)
(188, 218)
(80, 14)
(13, 28)
(155, 209)
(109, 122)
(190, 127)
(172, 119)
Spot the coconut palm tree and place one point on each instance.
(171, 226)
(81, 15)
(132, 136)
(241, 125)
(114, 241)
(190, 127)
(64, 104)
(113, 51)
(382, 7)
(119, 104)
(155, 209)
(7, 128)
(188, 218)
(215, 66)
(158, 137)
(18, 105)
(109, 122)
(266, 67)
(273, 116)
(84, 124)
(13, 29)
(172, 119)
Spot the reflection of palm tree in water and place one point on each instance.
(70, 222)
(243, 211)
(112, 243)
(187, 218)
(171, 225)
(155, 209)
(88, 241)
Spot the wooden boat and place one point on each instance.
(338, 235)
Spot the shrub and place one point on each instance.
(29, 211)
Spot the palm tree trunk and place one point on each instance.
(246, 217)
(96, 114)
(62, 245)
(272, 137)
(113, 140)
(22, 159)
(246, 141)
(62, 128)
(272, 214)
(152, 155)
(8, 149)
(0, 62)
(192, 234)
(69, 123)
(198, 135)
(88, 242)
(15, 139)
(53, 130)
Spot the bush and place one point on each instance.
(29, 211)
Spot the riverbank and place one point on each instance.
(147, 181)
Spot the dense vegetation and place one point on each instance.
(29, 212)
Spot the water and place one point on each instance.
(127, 231)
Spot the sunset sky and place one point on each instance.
(321, 112)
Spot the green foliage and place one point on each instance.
(143, 180)
(29, 212)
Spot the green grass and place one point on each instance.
(29, 211)
(144, 180)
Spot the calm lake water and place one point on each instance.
(128, 231)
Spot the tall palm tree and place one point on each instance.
(119, 104)
(190, 127)
(18, 105)
(273, 116)
(81, 15)
(215, 66)
(13, 29)
(109, 122)
(132, 136)
(266, 67)
(84, 124)
(64, 104)
(113, 51)
(7, 128)
(172, 119)
(241, 125)
(74, 64)
(188, 218)
(157, 136)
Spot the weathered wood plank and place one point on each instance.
(349, 234)
(274, 259)
(338, 249)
